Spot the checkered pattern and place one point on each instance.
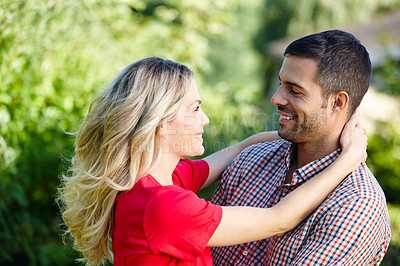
(351, 227)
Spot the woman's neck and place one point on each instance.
(163, 170)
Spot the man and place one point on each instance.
(323, 78)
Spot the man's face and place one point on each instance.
(302, 110)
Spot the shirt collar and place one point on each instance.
(311, 169)
(288, 154)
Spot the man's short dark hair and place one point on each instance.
(343, 63)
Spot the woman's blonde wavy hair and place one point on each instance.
(117, 142)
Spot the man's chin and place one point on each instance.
(283, 134)
(287, 135)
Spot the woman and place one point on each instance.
(128, 183)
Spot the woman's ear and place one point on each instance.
(163, 129)
(340, 101)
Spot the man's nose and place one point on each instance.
(279, 97)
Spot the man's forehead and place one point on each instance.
(300, 60)
(299, 68)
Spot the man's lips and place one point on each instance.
(286, 116)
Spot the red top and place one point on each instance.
(166, 225)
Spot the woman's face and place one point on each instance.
(183, 135)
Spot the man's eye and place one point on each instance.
(294, 92)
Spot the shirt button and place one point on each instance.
(245, 252)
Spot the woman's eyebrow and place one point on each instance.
(197, 101)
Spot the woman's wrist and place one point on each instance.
(347, 162)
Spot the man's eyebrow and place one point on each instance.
(291, 83)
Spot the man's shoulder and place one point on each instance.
(364, 183)
(257, 156)
(359, 195)
(266, 148)
(360, 185)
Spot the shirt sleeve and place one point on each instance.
(192, 174)
(219, 196)
(178, 223)
(229, 180)
(352, 234)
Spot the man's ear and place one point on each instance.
(340, 101)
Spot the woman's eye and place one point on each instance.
(197, 108)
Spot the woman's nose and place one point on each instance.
(204, 119)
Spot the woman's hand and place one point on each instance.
(353, 141)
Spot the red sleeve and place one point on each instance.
(191, 175)
(178, 223)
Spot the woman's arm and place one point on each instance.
(246, 224)
(219, 160)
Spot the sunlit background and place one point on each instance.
(55, 54)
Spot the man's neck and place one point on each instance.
(304, 154)
(309, 152)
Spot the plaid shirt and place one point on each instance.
(351, 227)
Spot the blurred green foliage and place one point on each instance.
(392, 257)
(54, 55)
(384, 159)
